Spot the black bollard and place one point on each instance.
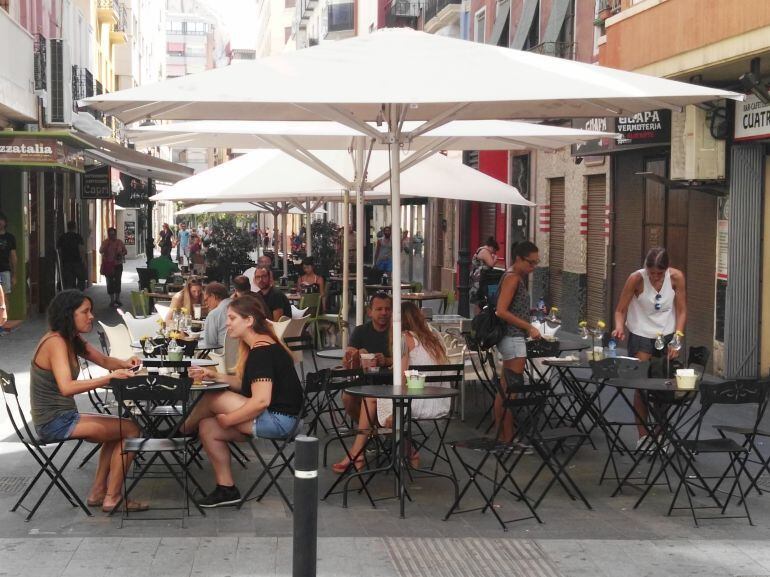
(305, 507)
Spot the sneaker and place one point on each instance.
(644, 444)
(221, 497)
(118, 303)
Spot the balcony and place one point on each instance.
(107, 11)
(403, 13)
(17, 71)
(41, 60)
(440, 13)
(340, 20)
(565, 50)
(119, 31)
(303, 10)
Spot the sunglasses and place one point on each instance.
(657, 301)
(532, 261)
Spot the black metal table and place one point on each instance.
(402, 398)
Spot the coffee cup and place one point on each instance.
(369, 362)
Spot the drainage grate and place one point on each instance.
(13, 485)
(469, 558)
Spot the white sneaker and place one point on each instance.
(644, 444)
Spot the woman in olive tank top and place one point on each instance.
(54, 384)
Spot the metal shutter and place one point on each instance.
(556, 244)
(488, 222)
(596, 249)
(701, 280)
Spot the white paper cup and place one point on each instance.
(196, 311)
(368, 361)
(686, 381)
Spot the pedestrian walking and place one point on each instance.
(7, 256)
(165, 240)
(72, 252)
(113, 253)
(383, 252)
(183, 243)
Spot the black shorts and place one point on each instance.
(637, 344)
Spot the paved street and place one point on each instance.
(611, 539)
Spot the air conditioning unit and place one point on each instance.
(695, 153)
(59, 79)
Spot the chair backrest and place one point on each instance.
(14, 409)
(698, 359)
(295, 327)
(339, 379)
(279, 327)
(151, 387)
(539, 348)
(162, 310)
(138, 328)
(140, 303)
(119, 341)
(311, 301)
(298, 345)
(735, 392)
(440, 374)
(611, 368)
(526, 403)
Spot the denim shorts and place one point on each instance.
(5, 281)
(60, 428)
(512, 348)
(269, 425)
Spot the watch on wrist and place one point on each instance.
(2, 307)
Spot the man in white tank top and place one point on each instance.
(653, 302)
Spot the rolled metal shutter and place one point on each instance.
(556, 243)
(488, 222)
(596, 250)
(742, 306)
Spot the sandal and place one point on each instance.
(95, 502)
(344, 466)
(130, 507)
(414, 460)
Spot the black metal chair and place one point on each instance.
(686, 449)
(43, 453)
(280, 460)
(145, 276)
(145, 393)
(483, 363)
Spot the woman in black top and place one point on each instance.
(267, 403)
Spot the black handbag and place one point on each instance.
(487, 328)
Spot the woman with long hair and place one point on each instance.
(191, 294)
(265, 399)
(513, 308)
(420, 345)
(54, 384)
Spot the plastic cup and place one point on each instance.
(369, 362)
(175, 356)
(196, 312)
(415, 382)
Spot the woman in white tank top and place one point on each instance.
(653, 302)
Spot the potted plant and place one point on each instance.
(228, 244)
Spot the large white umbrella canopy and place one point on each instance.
(418, 76)
(234, 208)
(433, 75)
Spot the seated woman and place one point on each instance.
(191, 294)
(310, 281)
(265, 400)
(420, 345)
(197, 258)
(54, 384)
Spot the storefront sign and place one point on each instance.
(752, 119)
(42, 151)
(96, 183)
(642, 130)
(129, 233)
(134, 193)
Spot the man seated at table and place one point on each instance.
(241, 286)
(216, 299)
(275, 301)
(265, 260)
(164, 266)
(371, 337)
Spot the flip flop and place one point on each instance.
(95, 502)
(131, 507)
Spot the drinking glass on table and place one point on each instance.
(197, 312)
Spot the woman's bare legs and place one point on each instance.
(506, 432)
(639, 406)
(367, 420)
(214, 438)
(210, 405)
(108, 431)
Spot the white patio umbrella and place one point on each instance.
(235, 208)
(419, 76)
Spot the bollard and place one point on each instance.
(305, 507)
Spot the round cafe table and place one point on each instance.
(402, 398)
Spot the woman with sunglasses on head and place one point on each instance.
(653, 302)
(513, 308)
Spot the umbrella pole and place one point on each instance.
(395, 223)
(345, 267)
(308, 236)
(360, 233)
(285, 232)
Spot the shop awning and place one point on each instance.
(131, 162)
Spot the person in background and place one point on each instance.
(383, 252)
(420, 345)
(275, 301)
(513, 309)
(653, 302)
(371, 337)
(113, 253)
(190, 295)
(197, 259)
(72, 253)
(54, 382)
(3, 308)
(216, 300)
(241, 286)
(8, 259)
(310, 281)
(183, 243)
(264, 400)
(484, 258)
(265, 261)
(165, 240)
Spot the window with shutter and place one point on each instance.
(596, 249)
(556, 245)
